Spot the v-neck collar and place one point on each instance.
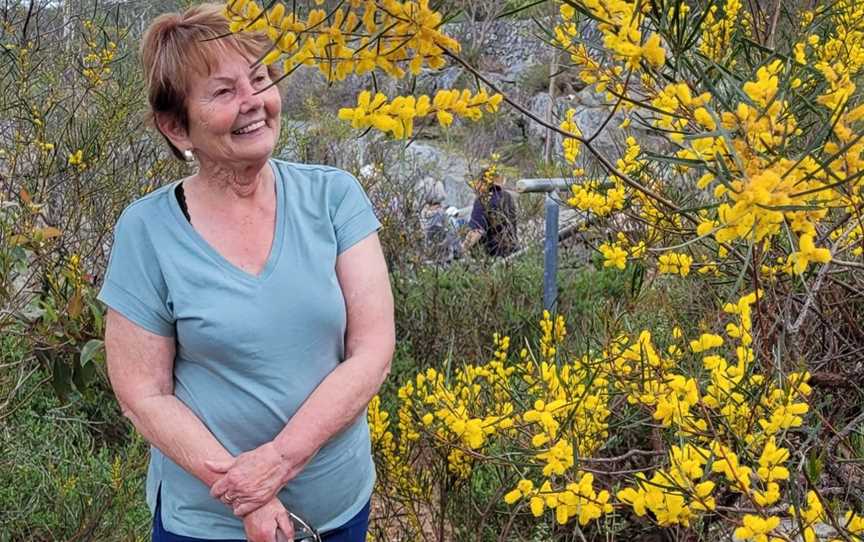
(275, 245)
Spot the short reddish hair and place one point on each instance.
(177, 44)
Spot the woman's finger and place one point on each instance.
(218, 489)
(221, 487)
(285, 528)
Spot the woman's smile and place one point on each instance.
(250, 129)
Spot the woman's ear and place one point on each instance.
(173, 130)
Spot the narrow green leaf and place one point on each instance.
(92, 351)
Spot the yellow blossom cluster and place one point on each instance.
(759, 195)
(738, 145)
(364, 35)
(731, 421)
(97, 59)
(712, 423)
(674, 105)
(602, 199)
(621, 27)
(76, 159)
(570, 144)
(473, 412)
(643, 372)
(553, 333)
(630, 162)
(613, 255)
(757, 529)
(719, 29)
(567, 420)
(637, 365)
(675, 263)
(578, 500)
(674, 495)
(390, 452)
(397, 116)
(452, 412)
(813, 514)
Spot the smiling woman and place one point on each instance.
(182, 55)
(250, 315)
(232, 113)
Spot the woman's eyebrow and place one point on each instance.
(229, 79)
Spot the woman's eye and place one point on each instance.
(221, 92)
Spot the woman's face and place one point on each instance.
(230, 119)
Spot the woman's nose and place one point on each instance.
(251, 97)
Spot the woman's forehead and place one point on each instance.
(220, 58)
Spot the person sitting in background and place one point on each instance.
(493, 217)
(441, 240)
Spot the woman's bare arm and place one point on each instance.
(141, 370)
(370, 339)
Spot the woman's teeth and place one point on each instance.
(250, 128)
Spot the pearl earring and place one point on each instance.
(187, 154)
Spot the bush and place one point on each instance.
(68, 470)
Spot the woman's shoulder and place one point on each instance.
(313, 172)
(318, 182)
(149, 207)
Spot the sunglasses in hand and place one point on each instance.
(302, 531)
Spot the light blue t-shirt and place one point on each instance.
(250, 349)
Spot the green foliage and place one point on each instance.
(66, 470)
(448, 314)
(71, 158)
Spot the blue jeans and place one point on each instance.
(354, 530)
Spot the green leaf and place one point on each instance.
(637, 278)
(92, 351)
(82, 375)
(814, 465)
(61, 379)
(97, 312)
(788, 208)
(674, 159)
(518, 9)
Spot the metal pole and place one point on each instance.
(550, 248)
(550, 256)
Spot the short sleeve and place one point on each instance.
(351, 212)
(134, 284)
(478, 217)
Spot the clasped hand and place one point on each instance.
(250, 480)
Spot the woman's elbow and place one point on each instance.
(387, 350)
(127, 411)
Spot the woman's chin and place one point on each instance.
(253, 151)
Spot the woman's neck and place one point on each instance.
(232, 187)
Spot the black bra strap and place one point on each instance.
(181, 199)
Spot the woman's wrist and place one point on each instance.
(291, 456)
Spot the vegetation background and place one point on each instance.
(74, 152)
